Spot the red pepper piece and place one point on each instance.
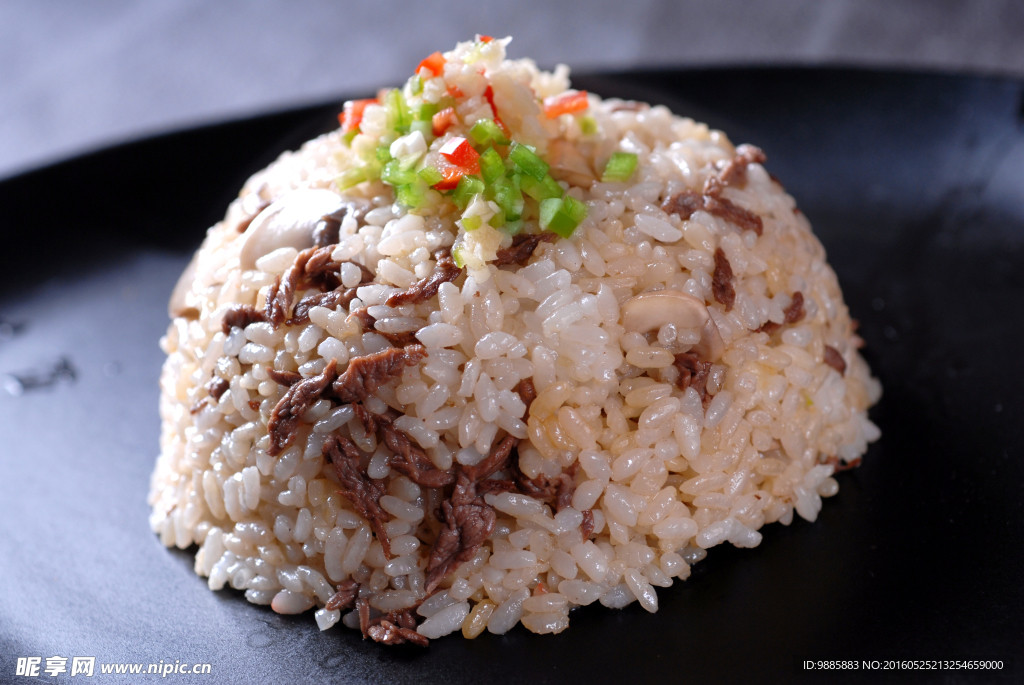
(352, 115)
(566, 104)
(442, 120)
(435, 63)
(459, 152)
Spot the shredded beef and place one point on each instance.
(326, 231)
(367, 373)
(835, 360)
(363, 607)
(527, 393)
(587, 527)
(684, 204)
(217, 387)
(312, 268)
(793, 313)
(331, 300)
(400, 339)
(240, 315)
(362, 316)
(345, 597)
(560, 488)
(388, 633)
(284, 420)
(693, 373)
(522, 248)
(735, 172)
(285, 378)
(721, 281)
(733, 213)
(445, 271)
(279, 301)
(406, 458)
(357, 487)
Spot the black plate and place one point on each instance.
(913, 183)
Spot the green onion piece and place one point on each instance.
(412, 194)
(497, 221)
(491, 166)
(555, 218)
(576, 210)
(588, 125)
(509, 198)
(619, 168)
(514, 227)
(394, 174)
(467, 188)
(347, 138)
(486, 132)
(471, 223)
(424, 127)
(431, 175)
(416, 84)
(427, 111)
(398, 112)
(528, 161)
(384, 154)
(541, 190)
(349, 178)
(457, 257)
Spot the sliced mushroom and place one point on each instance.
(567, 164)
(288, 222)
(650, 311)
(178, 305)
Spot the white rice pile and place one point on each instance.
(662, 474)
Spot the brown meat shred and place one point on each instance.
(331, 300)
(217, 387)
(388, 633)
(834, 359)
(733, 213)
(357, 487)
(240, 315)
(367, 373)
(279, 301)
(793, 313)
(735, 172)
(587, 527)
(527, 393)
(445, 271)
(285, 378)
(284, 420)
(406, 457)
(684, 204)
(363, 608)
(687, 202)
(522, 248)
(693, 373)
(721, 281)
(560, 488)
(312, 268)
(345, 597)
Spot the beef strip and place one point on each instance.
(527, 393)
(406, 457)
(587, 527)
(367, 373)
(363, 607)
(735, 172)
(560, 488)
(684, 204)
(467, 520)
(721, 281)
(279, 301)
(362, 316)
(793, 313)
(445, 271)
(345, 597)
(331, 300)
(733, 213)
(388, 633)
(357, 487)
(217, 387)
(693, 373)
(240, 315)
(326, 231)
(285, 378)
(312, 268)
(522, 248)
(284, 420)
(834, 359)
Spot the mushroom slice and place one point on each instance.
(567, 164)
(650, 311)
(288, 222)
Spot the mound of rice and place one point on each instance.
(419, 390)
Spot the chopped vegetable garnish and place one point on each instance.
(528, 161)
(489, 96)
(399, 116)
(514, 227)
(450, 176)
(588, 125)
(562, 216)
(468, 187)
(486, 132)
(459, 152)
(412, 194)
(431, 175)
(541, 190)
(416, 85)
(349, 178)
(508, 196)
(569, 103)
(395, 175)
(457, 257)
(424, 127)
(435, 63)
(492, 167)
(427, 111)
(485, 39)
(471, 223)
(497, 221)
(384, 154)
(443, 119)
(352, 115)
(620, 167)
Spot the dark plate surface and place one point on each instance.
(914, 184)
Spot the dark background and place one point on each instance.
(913, 183)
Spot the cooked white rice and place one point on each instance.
(665, 475)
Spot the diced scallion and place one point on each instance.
(527, 160)
(491, 166)
(620, 167)
(486, 132)
(457, 257)
(467, 188)
(412, 194)
(508, 197)
(588, 125)
(562, 216)
(427, 111)
(395, 175)
(431, 175)
(471, 223)
(544, 189)
(349, 178)
(384, 154)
